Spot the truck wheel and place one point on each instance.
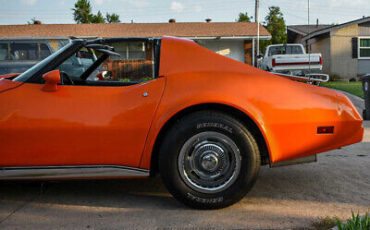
(209, 160)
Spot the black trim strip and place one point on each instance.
(70, 172)
(12, 88)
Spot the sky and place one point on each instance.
(295, 11)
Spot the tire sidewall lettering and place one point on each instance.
(214, 200)
(216, 125)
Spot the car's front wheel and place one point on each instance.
(209, 160)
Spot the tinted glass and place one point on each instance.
(365, 42)
(3, 52)
(364, 47)
(364, 52)
(44, 51)
(24, 51)
(275, 50)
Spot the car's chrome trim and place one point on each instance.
(311, 77)
(70, 172)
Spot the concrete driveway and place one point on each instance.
(286, 197)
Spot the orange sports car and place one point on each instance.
(143, 106)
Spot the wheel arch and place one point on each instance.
(238, 114)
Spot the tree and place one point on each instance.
(275, 24)
(34, 21)
(243, 17)
(98, 18)
(82, 13)
(112, 18)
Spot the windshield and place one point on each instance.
(287, 49)
(50, 62)
(78, 63)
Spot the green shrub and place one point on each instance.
(355, 223)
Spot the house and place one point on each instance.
(345, 48)
(232, 39)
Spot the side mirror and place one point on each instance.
(108, 75)
(52, 79)
(105, 75)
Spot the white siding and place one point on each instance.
(342, 64)
(364, 64)
(364, 29)
(231, 48)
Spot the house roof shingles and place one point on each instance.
(189, 29)
(304, 29)
(327, 28)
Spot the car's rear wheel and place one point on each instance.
(209, 160)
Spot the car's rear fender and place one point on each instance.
(288, 122)
(249, 123)
(288, 113)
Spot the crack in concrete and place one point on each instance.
(16, 210)
(25, 203)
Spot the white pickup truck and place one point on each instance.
(290, 58)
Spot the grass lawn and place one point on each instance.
(350, 87)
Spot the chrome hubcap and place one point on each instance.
(209, 162)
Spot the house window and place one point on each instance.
(364, 48)
(136, 63)
(130, 50)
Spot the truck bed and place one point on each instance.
(296, 62)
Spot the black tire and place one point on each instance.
(204, 178)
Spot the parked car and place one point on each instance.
(290, 58)
(18, 55)
(204, 122)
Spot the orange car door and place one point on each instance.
(77, 125)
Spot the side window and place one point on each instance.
(4, 52)
(24, 51)
(28, 51)
(136, 63)
(44, 51)
(274, 50)
(62, 43)
(78, 63)
(89, 66)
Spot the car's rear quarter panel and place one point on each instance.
(286, 112)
